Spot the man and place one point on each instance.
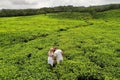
(58, 55)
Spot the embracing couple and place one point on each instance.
(55, 56)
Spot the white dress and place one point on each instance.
(50, 58)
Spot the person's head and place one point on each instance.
(55, 48)
(51, 49)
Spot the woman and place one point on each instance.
(51, 56)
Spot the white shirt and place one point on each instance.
(58, 55)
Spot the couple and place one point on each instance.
(55, 56)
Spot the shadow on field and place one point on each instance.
(60, 30)
(117, 50)
(39, 48)
(28, 38)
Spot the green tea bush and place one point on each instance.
(91, 46)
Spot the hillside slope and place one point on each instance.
(91, 46)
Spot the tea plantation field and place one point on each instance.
(91, 46)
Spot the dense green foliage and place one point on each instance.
(26, 12)
(91, 46)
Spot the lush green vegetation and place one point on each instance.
(91, 46)
(70, 8)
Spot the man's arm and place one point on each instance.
(54, 56)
